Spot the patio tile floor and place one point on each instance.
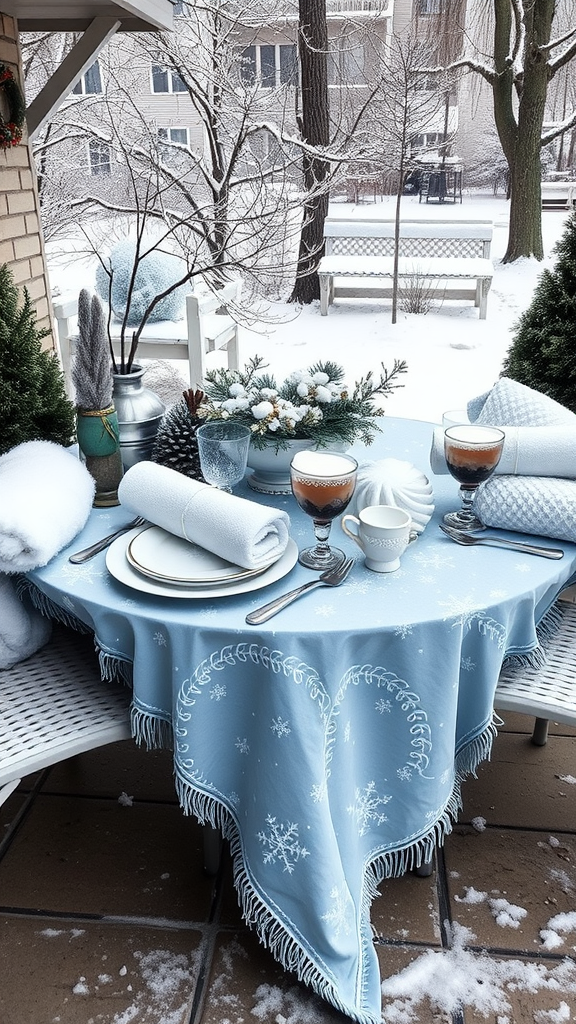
(106, 915)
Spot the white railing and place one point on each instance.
(354, 7)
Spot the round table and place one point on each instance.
(330, 742)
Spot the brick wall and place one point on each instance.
(21, 242)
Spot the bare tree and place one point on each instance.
(230, 198)
(532, 41)
(398, 113)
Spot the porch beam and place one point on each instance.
(61, 83)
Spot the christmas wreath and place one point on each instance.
(11, 130)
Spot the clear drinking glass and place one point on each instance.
(472, 453)
(323, 484)
(223, 450)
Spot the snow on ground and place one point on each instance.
(451, 354)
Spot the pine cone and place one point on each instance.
(175, 445)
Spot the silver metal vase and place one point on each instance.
(139, 412)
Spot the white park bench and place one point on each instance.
(208, 326)
(447, 251)
(559, 194)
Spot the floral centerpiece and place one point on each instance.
(315, 404)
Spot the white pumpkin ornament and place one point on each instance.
(394, 482)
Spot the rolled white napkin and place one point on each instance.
(23, 630)
(46, 496)
(528, 451)
(542, 506)
(243, 532)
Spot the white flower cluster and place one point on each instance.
(273, 413)
(317, 387)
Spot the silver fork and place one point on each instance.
(86, 553)
(330, 578)
(515, 545)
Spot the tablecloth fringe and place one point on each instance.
(271, 932)
(545, 631)
(47, 607)
(112, 667)
(151, 730)
(393, 863)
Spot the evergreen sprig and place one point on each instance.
(91, 372)
(313, 404)
(34, 405)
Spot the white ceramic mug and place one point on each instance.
(383, 534)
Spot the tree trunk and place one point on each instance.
(312, 48)
(520, 134)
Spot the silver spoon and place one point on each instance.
(488, 538)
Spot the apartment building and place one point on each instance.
(263, 56)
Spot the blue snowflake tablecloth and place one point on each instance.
(330, 743)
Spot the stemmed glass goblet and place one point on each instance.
(323, 484)
(472, 453)
(223, 450)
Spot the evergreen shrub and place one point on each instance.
(34, 405)
(543, 352)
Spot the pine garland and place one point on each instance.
(11, 130)
(91, 372)
(34, 405)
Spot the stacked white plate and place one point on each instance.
(156, 562)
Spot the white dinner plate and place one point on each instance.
(119, 567)
(168, 559)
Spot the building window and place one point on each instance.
(171, 142)
(180, 7)
(179, 136)
(99, 157)
(166, 81)
(426, 141)
(269, 65)
(429, 6)
(346, 63)
(91, 82)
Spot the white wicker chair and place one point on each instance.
(549, 692)
(55, 705)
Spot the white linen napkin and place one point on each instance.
(241, 531)
(23, 630)
(527, 451)
(46, 496)
(540, 433)
(533, 489)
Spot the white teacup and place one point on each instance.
(383, 534)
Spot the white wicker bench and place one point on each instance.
(448, 251)
(548, 693)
